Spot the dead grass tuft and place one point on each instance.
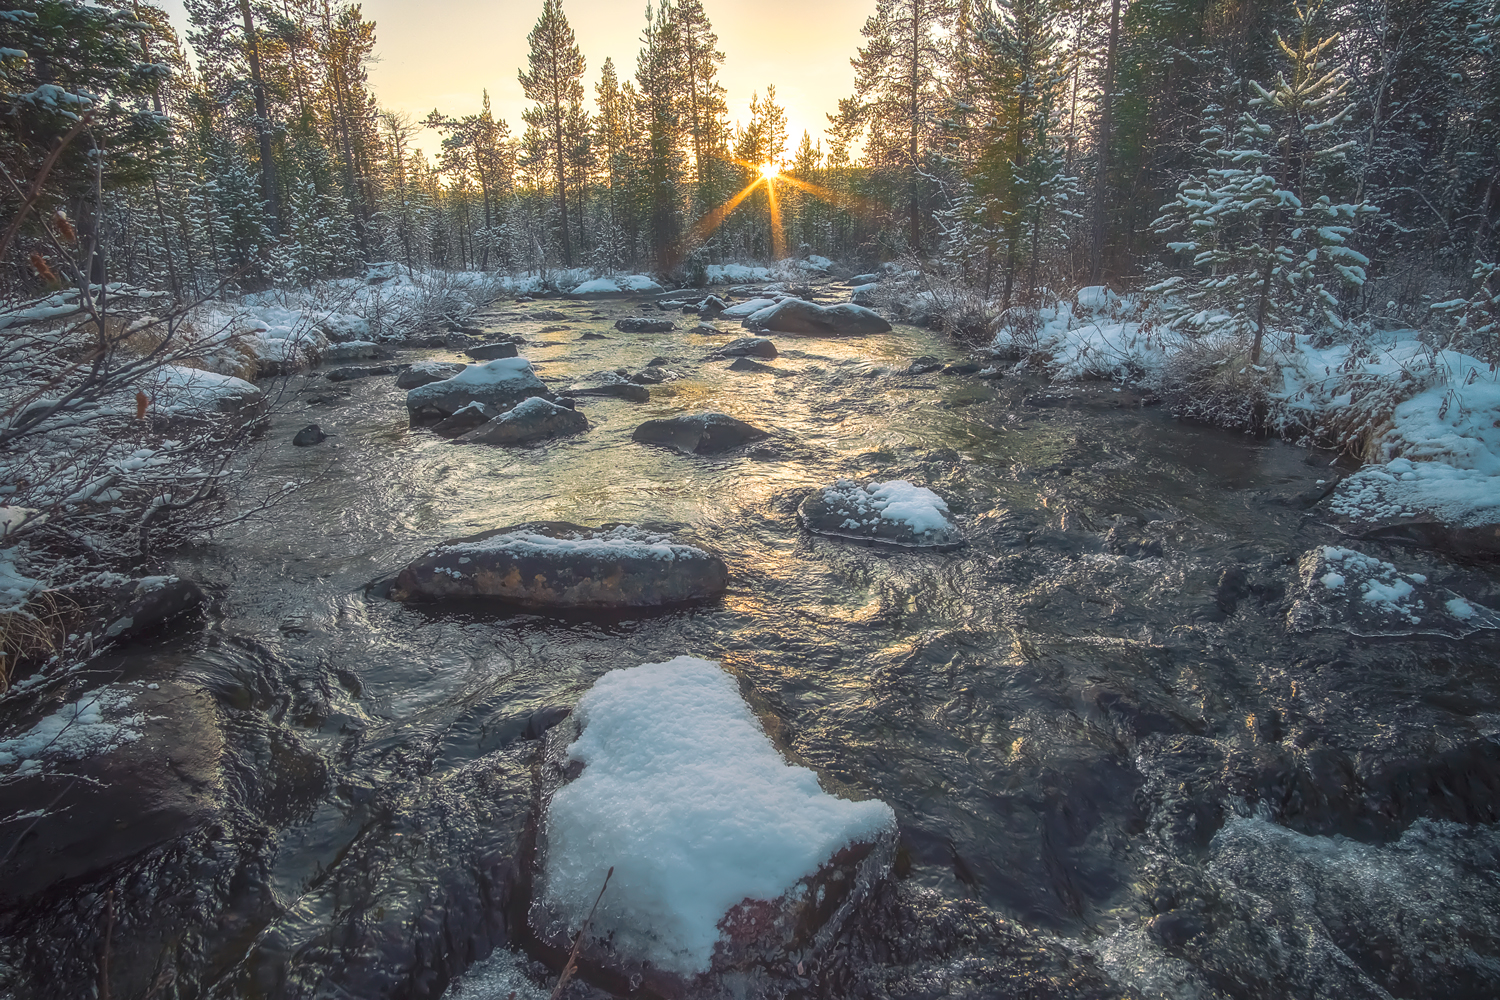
(37, 629)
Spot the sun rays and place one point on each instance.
(771, 176)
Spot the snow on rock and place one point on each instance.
(723, 853)
(501, 383)
(733, 274)
(797, 316)
(553, 564)
(1359, 594)
(425, 372)
(893, 513)
(94, 724)
(620, 284)
(530, 421)
(350, 350)
(180, 391)
(746, 308)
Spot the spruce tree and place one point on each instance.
(555, 84)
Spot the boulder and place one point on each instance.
(500, 384)
(894, 513)
(618, 285)
(615, 390)
(368, 371)
(308, 436)
(746, 365)
(426, 372)
(143, 604)
(463, 420)
(353, 350)
(704, 433)
(561, 566)
(529, 422)
(651, 375)
(711, 307)
(811, 319)
(111, 773)
(757, 347)
(189, 392)
(865, 295)
(643, 324)
(746, 308)
(490, 352)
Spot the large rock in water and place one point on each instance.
(644, 324)
(741, 868)
(809, 318)
(705, 433)
(528, 422)
(427, 372)
(556, 565)
(758, 347)
(500, 384)
(893, 513)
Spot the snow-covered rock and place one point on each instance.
(892, 513)
(731, 274)
(552, 564)
(353, 350)
(190, 392)
(620, 284)
(704, 433)
(746, 308)
(863, 279)
(726, 858)
(500, 384)
(530, 421)
(809, 318)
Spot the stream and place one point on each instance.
(1116, 770)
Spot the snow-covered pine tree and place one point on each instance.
(1268, 221)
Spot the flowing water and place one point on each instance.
(1103, 744)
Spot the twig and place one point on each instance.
(567, 972)
(109, 933)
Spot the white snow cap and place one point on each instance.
(898, 501)
(686, 798)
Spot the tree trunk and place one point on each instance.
(268, 187)
(916, 40)
(1106, 128)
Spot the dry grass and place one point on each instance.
(1212, 380)
(38, 629)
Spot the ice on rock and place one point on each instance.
(895, 512)
(684, 796)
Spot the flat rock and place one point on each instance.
(811, 319)
(894, 513)
(490, 352)
(368, 371)
(746, 365)
(704, 433)
(528, 422)
(556, 565)
(755, 347)
(427, 372)
(500, 384)
(643, 324)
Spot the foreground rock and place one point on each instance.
(642, 324)
(742, 867)
(500, 384)
(427, 372)
(811, 319)
(705, 433)
(529, 422)
(560, 566)
(754, 347)
(893, 513)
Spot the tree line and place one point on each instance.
(1268, 159)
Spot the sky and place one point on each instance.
(443, 53)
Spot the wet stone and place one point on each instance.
(490, 352)
(426, 372)
(464, 420)
(810, 319)
(308, 436)
(753, 347)
(530, 422)
(370, 371)
(557, 565)
(746, 365)
(630, 391)
(642, 324)
(705, 433)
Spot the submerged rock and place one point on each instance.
(427, 372)
(746, 365)
(642, 324)
(368, 371)
(808, 318)
(500, 384)
(529, 422)
(704, 433)
(556, 565)
(893, 513)
(632, 391)
(742, 867)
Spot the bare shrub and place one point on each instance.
(1211, 379)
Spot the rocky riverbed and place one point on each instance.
(1149, 724)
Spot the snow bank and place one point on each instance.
(619, 284)
(730, 274)
(179, 390)
(683, 794)
(94, 724)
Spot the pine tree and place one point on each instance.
(658, 77)
(555, 84)
(1268, 222)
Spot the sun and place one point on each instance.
(770, 171)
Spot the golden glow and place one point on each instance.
(770, 171)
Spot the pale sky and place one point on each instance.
(443, 53)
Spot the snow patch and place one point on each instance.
(94, 724)
(683, 794)
(623, 541)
